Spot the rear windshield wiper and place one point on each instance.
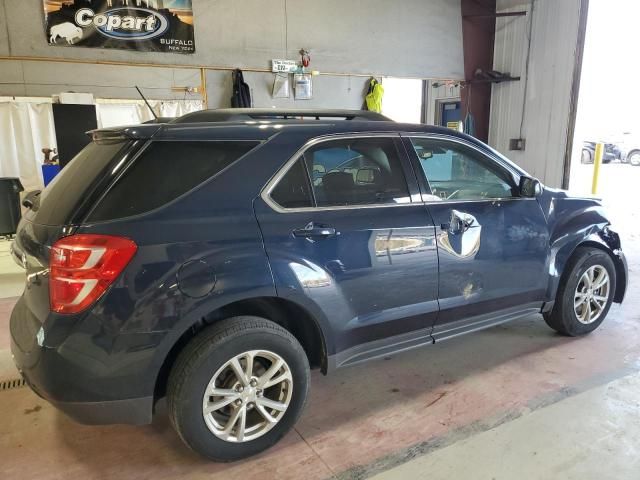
(32, 199)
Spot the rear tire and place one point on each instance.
(248, 415)
(581, 304)
(634, 158)
(586, 157)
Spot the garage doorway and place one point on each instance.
(608, 108)
(403, 99)
(449, 114)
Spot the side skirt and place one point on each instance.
(480, 322)
(427, 336)
(381, 348)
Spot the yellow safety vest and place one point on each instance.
(374, 97)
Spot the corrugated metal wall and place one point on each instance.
(554, 34)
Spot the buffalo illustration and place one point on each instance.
(66, 30)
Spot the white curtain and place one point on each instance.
(116, 113)
(26, 127)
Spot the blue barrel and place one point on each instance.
(49, 172)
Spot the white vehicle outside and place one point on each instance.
(630, 148)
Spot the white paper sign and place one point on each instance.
(303, 86)
(284, 66)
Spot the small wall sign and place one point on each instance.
(284, 66)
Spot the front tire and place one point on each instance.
(634, 158)
(585, 293)
(586, 156)
(237, 388)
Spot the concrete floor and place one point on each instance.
(11, 275)
(515, 401)
(586, 436)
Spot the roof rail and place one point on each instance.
(254, 114)
(160, 120)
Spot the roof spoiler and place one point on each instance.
(113, 135)
(256, 114)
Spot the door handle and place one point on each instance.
(460, 222)
(312, 230)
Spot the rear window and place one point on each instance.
(163, 172)
(62, 196)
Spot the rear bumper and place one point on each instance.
(67, 379)
(133, 411)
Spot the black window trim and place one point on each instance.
(428, 197)
(270, 186)
(124, 165)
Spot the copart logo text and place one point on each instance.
(124, 23)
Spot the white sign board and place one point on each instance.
(303, 86)
(284, 66)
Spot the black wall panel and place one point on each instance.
(72, 122)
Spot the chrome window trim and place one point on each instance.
(268, 188)
(481, 200)
(266, 191)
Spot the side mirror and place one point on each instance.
(530, 187)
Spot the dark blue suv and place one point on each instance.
(215, 259)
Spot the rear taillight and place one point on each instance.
(82, 267)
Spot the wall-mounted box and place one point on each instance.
(517, 143)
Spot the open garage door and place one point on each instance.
(608, 111)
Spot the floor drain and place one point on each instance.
(12, 383)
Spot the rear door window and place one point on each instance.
(165, 171)
(344, 172)
(356, 171)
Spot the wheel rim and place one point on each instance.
(592, 294)
(247, 396)
(634, 159)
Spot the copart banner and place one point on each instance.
(144, 25)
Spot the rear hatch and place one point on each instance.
(56, 211)
(99, 194)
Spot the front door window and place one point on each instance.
(454, 172)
